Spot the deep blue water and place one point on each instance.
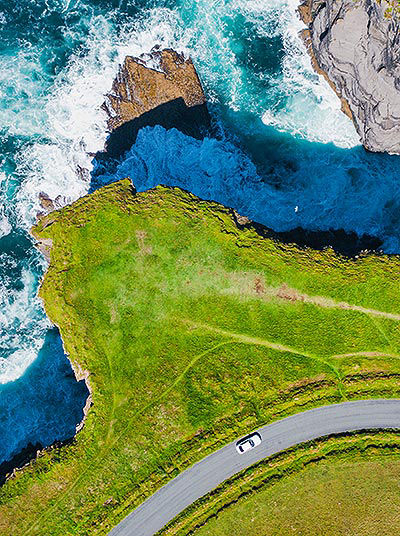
(285, 154)
(30, 406)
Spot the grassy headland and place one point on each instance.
(194, 331)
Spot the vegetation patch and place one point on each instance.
(194, 332)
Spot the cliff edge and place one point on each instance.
(175, 306)
(356, 46)
(160, 88)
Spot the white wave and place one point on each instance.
(20, 110)
(312, 109)
(5, 220)
(73, 126)
(22, 327)
(5, 225)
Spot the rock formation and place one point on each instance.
(46, 202)
(170, 94)
(355, 44)
(138, 89)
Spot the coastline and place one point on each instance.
(21, 460)
(349, 245)
(296, 319)
(149, 221)
(304, 12)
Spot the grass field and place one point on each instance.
(351, 497)
(194, 332)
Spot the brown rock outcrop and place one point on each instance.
(45, 202)
(138, 89)
(168, 93)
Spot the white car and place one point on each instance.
(248, 442)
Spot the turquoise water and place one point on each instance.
(285, 155)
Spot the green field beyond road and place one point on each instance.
(194, 332)
(357, 497)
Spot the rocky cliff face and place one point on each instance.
(138, 89)
(356, 45)
(161, 89)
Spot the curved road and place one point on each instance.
(205, 475)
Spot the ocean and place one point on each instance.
(285, 155)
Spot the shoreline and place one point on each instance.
(31, 452)
(22, 459)
(339, 240)
(224, 226)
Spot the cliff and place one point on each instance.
(356, 46)
(169, 93)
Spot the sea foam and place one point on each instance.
(312, 110)
(23, 326)
(72, 124)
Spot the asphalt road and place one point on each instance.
(205, 475)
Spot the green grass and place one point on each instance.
(392, 10)
(353, 495)
(194, 332)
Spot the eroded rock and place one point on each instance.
(355, 44)
(160, 88)
(138, 88)
(46, 202)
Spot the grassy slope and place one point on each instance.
(351, 497)
(177, 315)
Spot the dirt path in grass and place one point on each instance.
(246, 339)
(290, 294)
(368, 354)
(247, 283)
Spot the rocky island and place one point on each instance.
(356, 46)
(162, 88)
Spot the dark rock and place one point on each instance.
(193, 121)
(347, 244)
(45, 202)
